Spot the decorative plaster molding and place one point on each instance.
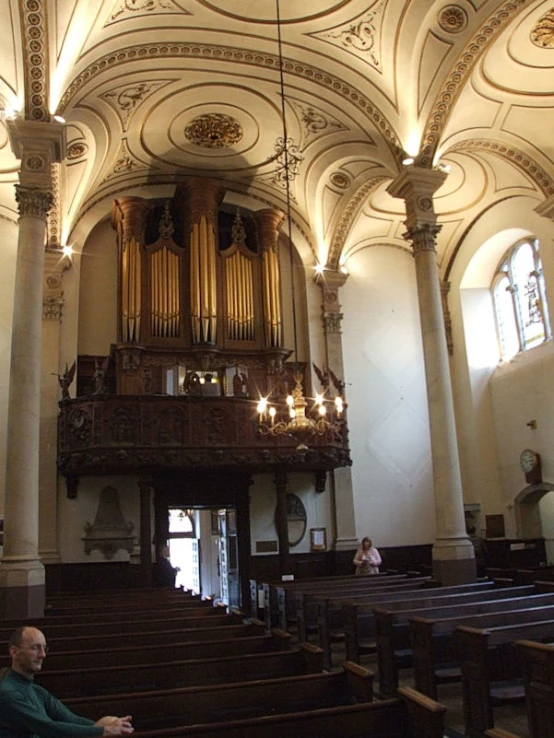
(510, 153)
(145, 7)
(460, 73)
(348, 217)
(452, 19)
(543, 33)
(214, 131)
(35, 50)
(124, 100)
(236, 56)
(359, 36)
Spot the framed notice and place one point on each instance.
(318, 539)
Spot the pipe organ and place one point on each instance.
(199, 292)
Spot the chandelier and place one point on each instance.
(291, 417)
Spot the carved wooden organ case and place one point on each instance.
(199, 302)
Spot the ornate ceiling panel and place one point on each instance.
(154, 90)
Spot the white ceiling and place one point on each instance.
(469, 83)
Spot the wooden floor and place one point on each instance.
(510, 717)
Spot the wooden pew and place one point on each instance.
(492, 669)
(279, 607)
(392, 629)
(122, 626)
(538, 681)
(330, 623)
(161, 674)
(114, 597)
(231, 701)
(411, 715)
(359, 618)
(307, 603)
(184, 645)
(499, 733)
(192, 609)
(435, 656)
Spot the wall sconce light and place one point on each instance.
(532, 424)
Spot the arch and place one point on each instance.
(527, 511)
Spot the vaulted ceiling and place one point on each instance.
(155, 90)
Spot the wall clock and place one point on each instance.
(530, 463)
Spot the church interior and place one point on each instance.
(278, 276)
(208, 207)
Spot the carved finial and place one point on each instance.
(238, 231)
(166, 227)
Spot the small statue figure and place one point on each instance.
(65, 380)
(99, 376)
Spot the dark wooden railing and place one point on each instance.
(129, 434)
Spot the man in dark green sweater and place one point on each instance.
(28, 710)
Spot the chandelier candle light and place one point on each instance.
(327, 412)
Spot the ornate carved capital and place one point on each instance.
(423, 237)
(52, 308)
(33, 201)
(332, 322)
(38, 146)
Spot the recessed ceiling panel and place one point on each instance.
(291, 11)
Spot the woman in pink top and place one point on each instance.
(367, 558)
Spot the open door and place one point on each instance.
(228, 558)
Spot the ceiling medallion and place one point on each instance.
(452, 19)
(214, 131)
(543, 33)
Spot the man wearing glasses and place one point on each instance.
(28, 710)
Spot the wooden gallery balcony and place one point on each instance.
(146, 434)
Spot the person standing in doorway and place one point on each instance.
(367, 559)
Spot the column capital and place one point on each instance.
(422, 236)
(546, 208)
(38, 145)
(33, 201)
(417, 186)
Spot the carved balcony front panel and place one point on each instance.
(133, 434)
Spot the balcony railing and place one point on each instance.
(132, 434)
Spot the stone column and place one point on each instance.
(453, 553)
(341, 478)
(22, 579)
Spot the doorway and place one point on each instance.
(203, 546)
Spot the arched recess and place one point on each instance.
(529, 517)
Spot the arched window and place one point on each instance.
(520, 300)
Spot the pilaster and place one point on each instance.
(330, 283)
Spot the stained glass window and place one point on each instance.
(520, 300)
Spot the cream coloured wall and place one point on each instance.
(98, 292)
(522, 391)
(8, 238)
(490, 399)
(263, 502)
(387, 399)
